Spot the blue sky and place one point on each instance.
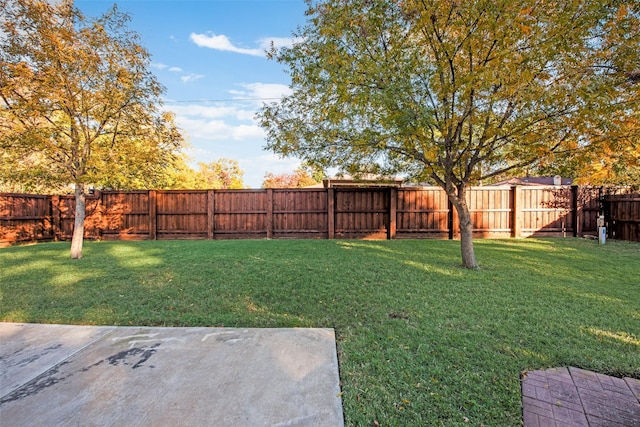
(209, 54)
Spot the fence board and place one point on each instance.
(316, 213)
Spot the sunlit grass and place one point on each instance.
(421, 340)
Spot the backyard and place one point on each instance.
(421, 341)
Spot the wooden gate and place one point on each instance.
(362, 213)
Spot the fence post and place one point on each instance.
(393, 207)
(98, 213)
(515, 212)
(450, 218)
(269, 213)
(576, 214)
(606, 212)
(211, 214)
(331, 225)
(153, 217)
(55, 217)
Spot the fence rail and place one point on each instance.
(391, 213)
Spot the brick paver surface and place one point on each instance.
(572, 397)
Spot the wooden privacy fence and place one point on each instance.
(623, 216)
(389, 213)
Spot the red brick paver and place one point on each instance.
(572, 397)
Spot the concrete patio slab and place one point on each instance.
(115, 376)
(573, 397)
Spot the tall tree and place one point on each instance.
(452, 91)
(77, 96)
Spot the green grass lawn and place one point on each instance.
(421, 341)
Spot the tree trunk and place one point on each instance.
(466, 238)
(459, 201)
(78, 225)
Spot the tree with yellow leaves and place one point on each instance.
(300, 178)
(77, 99)
(453, 91)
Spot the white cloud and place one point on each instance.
(222, 42)
(245, 114)
(222, 121)
(175, 69)
(277, 164)
(206, 129)
(243, 132)
(159, 65)
(191, 77)
(219, 130)
(213, 112)
(209, 112)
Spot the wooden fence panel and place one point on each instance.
(624, 217)
(316, 213)
(240, 214)
(422, 212)
(546, 211)
(25, 218)
(361, 213)
(182, 214)
(490, 209)
(299, 213)
(124, 215)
